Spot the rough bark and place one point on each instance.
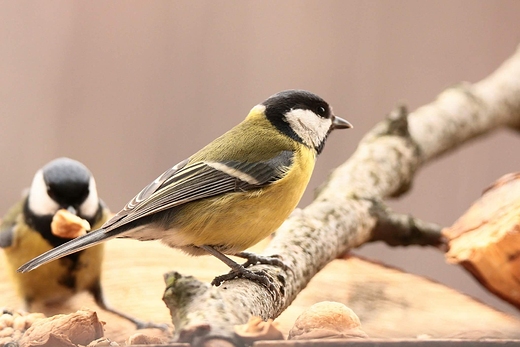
(349, 209)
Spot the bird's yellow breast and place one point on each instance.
(235, 221)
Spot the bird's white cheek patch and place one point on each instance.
(310, 127)
(40, 203)
(90, 206)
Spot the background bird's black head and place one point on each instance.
(67, 182)
(61, 184)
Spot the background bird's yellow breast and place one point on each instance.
(49, 282)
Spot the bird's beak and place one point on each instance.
(340, 123)
(72, 210)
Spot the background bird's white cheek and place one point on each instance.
(90, 206)
(40, 202)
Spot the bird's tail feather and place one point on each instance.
(75, 245)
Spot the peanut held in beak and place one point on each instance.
(68, 226)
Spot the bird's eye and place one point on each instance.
(51, 193)
(321, 110)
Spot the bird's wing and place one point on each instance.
(6, 236)
(7, 225)
(184, 183)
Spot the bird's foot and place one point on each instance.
(240, 271)
(259, 277)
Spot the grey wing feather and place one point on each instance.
(145, 194)
(183, 184)
(75, 245)
(265, 171)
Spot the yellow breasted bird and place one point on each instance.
(232, 193)
(25, 232)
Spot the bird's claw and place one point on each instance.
(259, 277)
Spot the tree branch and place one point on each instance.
(348, 209)
(397, 229)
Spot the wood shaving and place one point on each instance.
(256, 329)
(80, 327)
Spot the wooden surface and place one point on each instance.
(390, 303)
(386, 343)
(486, 239)
(394, 304)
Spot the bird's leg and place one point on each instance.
(239, 271)
(97, 292)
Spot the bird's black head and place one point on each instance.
(61, 184)
(303, 116)
(67, 182)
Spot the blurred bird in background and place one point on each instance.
(61, 204)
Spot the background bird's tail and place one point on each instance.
(75, 245)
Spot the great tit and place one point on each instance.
(232, 193)
(26, 232)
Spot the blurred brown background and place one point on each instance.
(131, 88)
